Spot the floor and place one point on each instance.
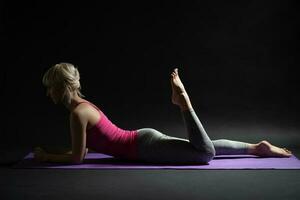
(162, 184)
(149, 184)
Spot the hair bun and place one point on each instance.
(66, 76)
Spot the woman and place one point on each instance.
(91, 129)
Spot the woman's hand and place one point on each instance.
(40, 155)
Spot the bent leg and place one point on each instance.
(197, 134)
(156, 147)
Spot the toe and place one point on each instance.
(287, 150)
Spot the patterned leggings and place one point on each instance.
(156, 147)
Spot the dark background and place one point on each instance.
(236, 58)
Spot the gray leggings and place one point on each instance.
(156, 147)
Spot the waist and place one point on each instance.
(122, 145)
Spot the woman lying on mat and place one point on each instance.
(91, 129)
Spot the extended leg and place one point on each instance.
(230, 147)
(262, 149)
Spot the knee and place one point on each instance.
(209, 157)
(208, 154)
(150, 130)
(147, 131)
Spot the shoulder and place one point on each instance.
(85, 113)
(80, 113)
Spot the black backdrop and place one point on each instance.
(237, 56)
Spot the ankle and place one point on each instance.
(185, 108)
(252, 149)
(185, 103)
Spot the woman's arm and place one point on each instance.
(58, 150)
(59, 158)
(64, 158)
(78, 123)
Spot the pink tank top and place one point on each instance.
(105, 137)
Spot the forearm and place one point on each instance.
(58, 150)
(66, 157)
(59, 158)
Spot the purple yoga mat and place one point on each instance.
(102, 161)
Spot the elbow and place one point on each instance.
(76, 160)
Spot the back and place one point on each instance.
(105, 137)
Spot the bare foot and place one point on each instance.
(265, 149)
(177, 87)
(179, 94)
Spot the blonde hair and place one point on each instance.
(64, 77)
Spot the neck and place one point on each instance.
(74, 101)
